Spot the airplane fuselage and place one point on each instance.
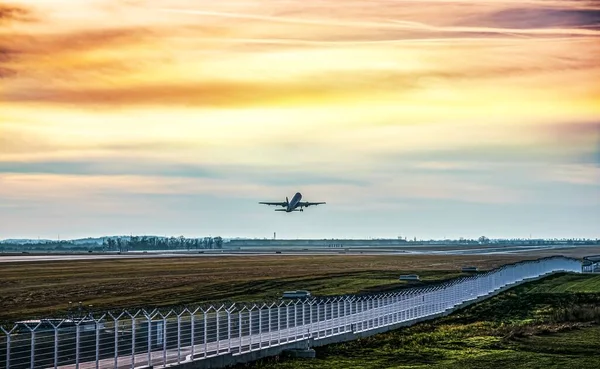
(292, 205)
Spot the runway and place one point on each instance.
(98, 256)
(372, 251)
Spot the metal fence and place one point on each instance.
(157, 338)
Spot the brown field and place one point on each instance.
(40, 289)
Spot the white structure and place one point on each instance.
(300, 294)
(590, 266)
(152, 338)
(409, 277)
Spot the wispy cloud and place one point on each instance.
(576, 174)
(11, 13)
(405, 108)
(540, 17)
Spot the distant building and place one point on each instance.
(329, 243)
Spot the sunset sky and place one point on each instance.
(413, 118)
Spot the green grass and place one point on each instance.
(573, 283)
(553, 323)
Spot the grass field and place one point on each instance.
(41, 289)
(553, 323)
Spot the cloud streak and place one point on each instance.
(399, 109)
(522, 25)
(9, 14)
(258, 174)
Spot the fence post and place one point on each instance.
(165, 327)
(287, 322)
(218, 312)
(8, 342)
(8, 350)
(260, 340)
(279, 323)
(240, 330)
(55, 353)
(178, 336)
(296, 320)
(329, 323)
(32, 353)
(205, 331)
(116, 337)
(310, 318)
(150, 316)
(303, 319)
(229, 310)
(338, 320)
(193, 331)
(149, 338)
(133, 328)
(77, 343)
(97, 321)
(318, 306)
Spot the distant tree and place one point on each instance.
(134, 242)
(110, 244)
(484, 240)
(218, 242)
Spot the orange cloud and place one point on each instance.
(318, 88)
(10, 13)
(69, 55)
(234, 54)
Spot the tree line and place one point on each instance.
(121, 244)
(158, 243)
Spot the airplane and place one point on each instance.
(292, 205)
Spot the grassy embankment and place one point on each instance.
(553, 323)
(42, 289)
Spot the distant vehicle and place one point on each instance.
(292, 205)
(409, 277)
(47, 325)
(468, 269)
(300, 294)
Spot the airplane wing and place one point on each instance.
(274, 203)
(306, 203)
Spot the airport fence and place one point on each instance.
(158, 339)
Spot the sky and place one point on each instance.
(411, 118)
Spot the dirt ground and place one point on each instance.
(35, 289)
